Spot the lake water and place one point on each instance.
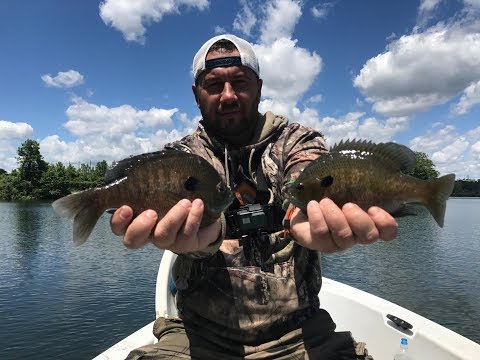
(62, 301)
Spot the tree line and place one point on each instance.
(37, 179)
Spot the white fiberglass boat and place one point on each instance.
(427, 339)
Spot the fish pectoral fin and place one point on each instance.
(404, 210)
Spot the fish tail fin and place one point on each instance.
(83, 209)
(437, 203)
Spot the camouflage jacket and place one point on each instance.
(256, 290)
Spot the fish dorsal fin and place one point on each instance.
(398, 156)
(123, 167)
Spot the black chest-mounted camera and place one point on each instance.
(254, 219)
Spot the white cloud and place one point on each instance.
(307, 117)
(64, 79)
(425, 11)
(131, 17)
(10, 130)
(111, 134)
(476, 149)
(321, 10)
(472, 4)
(352, 125)
(470, 98)
(219, 30)
(428, 5)
(382, 130)
(422, 69)
(434, 140)
(314, 99)
(245, 20)
(451, 151)
(287, 70)
(281, 16)
(87, 118)
(11, 136)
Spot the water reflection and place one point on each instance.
(27, 220)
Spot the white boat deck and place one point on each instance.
(352, 309)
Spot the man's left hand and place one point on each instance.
(328, 228)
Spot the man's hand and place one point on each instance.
(179, 230)
(329, 228)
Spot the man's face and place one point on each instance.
(228, 98)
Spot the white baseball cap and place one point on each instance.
(247, 56)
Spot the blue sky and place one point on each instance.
(102, 80)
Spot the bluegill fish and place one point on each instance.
(155, 181)
(370, 174)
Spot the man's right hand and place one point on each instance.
(179, 230)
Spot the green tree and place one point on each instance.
(424, 167)
(14, 188)
(467, 187)
(3, 172)
(6, 187)
(71, 175)
(31, 164)
(100, 170)
(86, 177)
(54, 183)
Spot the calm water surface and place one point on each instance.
(62, 301)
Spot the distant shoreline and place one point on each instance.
(464, 197)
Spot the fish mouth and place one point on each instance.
(288, 191)
(289, 195)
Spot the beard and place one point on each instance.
(232, 126)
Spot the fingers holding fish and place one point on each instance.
(138, 232)
(167, 229)
(190, 236)
(121, 219)
(179, 230)
(192, 223)
(325, 228)
(386, 224)
(341, 233)
(361, 224)
(305, 232)
(199, 241)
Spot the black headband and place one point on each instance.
(223, 62)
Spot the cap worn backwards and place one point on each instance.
(247, 56)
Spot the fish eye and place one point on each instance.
(326, 181)
(190, 184)
(300, 187)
